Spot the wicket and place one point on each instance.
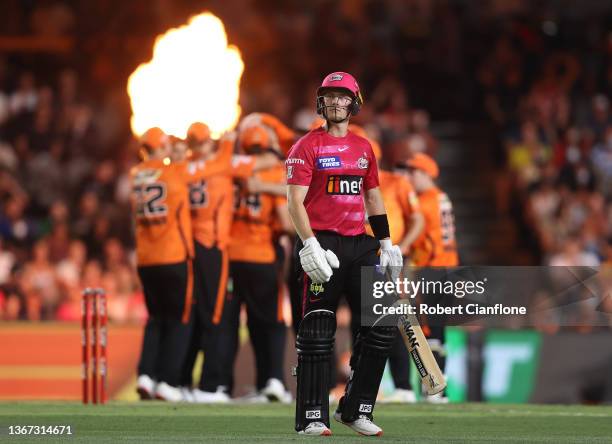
(94, 317)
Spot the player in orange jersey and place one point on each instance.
(281, 137)
(255, 274)
(164, 250)
(436, 247)
(211, 203)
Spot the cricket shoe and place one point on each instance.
(316, 429)
(400, 396)
(187, 394)
(145, 386)
(204, 397)
(275, 391)
(166, 392)
(362, 425)
(438, 398)
(254, 397)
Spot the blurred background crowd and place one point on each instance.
(534, 76)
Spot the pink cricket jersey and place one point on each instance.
(336, 171)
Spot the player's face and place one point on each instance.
(179, 151)
(205, 148)
(418, 178)
(160, 153)
(336, 105)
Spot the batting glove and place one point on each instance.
(391, 258)
(316, 262)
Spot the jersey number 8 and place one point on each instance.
(197, 194)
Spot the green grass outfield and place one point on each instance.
(165, 423)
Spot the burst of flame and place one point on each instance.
(194, 75)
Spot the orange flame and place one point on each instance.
(194, 75)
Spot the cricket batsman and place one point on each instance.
(332, 180)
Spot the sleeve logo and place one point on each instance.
(325, 163)
(289, 171)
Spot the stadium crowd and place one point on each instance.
(557, 139)
(64, 222)
(65, 148)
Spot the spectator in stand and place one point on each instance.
(44, 176)
(527, 156)
(600, 117)
(568, 149)
(39, 281)
(572, 253)
(25, 98)
(15, 226)
(601, 158)
(59, 242)
(70, 269)
(88, 213)
(7, 261)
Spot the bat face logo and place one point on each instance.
(313, 414)
(410, 333)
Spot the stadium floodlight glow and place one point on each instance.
(194, 75)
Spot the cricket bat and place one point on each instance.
(418, 348)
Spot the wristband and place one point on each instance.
(380, 226)
(386, 244)
(310, 240)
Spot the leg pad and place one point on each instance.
(368, 368)
(314, 344)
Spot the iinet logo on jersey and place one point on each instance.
(344, 185)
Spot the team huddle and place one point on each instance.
(206, 211)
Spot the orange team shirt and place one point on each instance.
(242, 166)
(254, 221)
(160, 197)
(436, 246)
(211, 203)
(400, 202)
